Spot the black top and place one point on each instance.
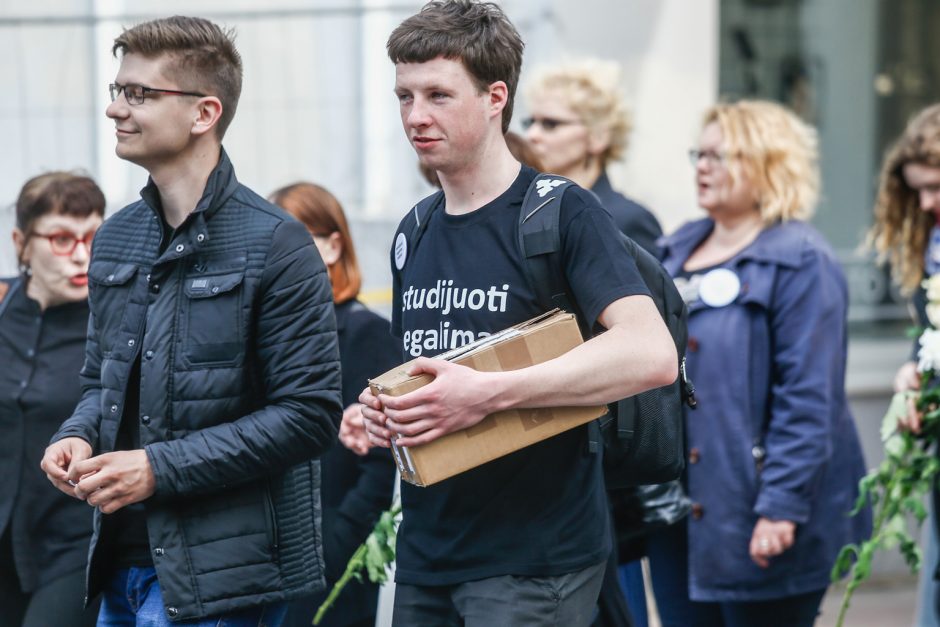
(540, 511)
(633, 219)
(354, 489)
(41, 353)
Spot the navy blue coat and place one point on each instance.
(769, 371)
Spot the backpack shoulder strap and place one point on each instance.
(540, 244)
(421, 214)
(539, 236)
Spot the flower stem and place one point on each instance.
(351, 569)
(876, 539)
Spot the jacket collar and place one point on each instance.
(780, 244)
(602, 186)
(220, 186)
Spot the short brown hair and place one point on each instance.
(202, 57)
(322, 214)
(478, 34)
(64, 193)
(901, 230)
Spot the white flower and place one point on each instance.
(928, 357)
(932, 285)
(933, 314)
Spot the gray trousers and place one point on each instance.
(508, 601)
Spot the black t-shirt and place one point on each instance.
(541, 511)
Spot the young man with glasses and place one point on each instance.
(522, 540)
(211, 378)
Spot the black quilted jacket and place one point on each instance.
(239, 392)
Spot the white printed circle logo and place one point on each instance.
(401, 251)
(719, 287)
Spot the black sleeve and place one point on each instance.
(359, 510)
(597, 265)
(369, 351)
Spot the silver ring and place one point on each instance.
(763, 543)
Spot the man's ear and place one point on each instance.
(208, 112)
(498, 97)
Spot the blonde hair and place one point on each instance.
(590, 88)
(775, 151)
(901, 230)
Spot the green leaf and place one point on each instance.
(916, 507)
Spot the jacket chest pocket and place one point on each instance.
(111, 286)
(213, 319)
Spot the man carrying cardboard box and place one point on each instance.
(522, 539)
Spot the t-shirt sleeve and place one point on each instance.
(597, 265)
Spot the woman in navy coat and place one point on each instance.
(774, 457)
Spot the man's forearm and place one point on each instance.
(629, 358)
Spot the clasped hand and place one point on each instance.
(109, 481)
(769, 539)
(457, 398)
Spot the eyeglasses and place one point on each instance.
(547, 124)
(711, 157)
(64, 243)
(136, 94)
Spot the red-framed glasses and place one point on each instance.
(64, 243)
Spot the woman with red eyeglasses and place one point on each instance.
(43, 318)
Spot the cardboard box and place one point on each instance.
(535, 341)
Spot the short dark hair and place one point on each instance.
(202, 56)
(62, 193)
(478, 34)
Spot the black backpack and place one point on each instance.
(643, 435)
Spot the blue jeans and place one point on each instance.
(133, 599)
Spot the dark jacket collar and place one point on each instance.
(219, 188)
(602, 186)
(780, 243)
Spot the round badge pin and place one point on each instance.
(719, 287)
(401, 250)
